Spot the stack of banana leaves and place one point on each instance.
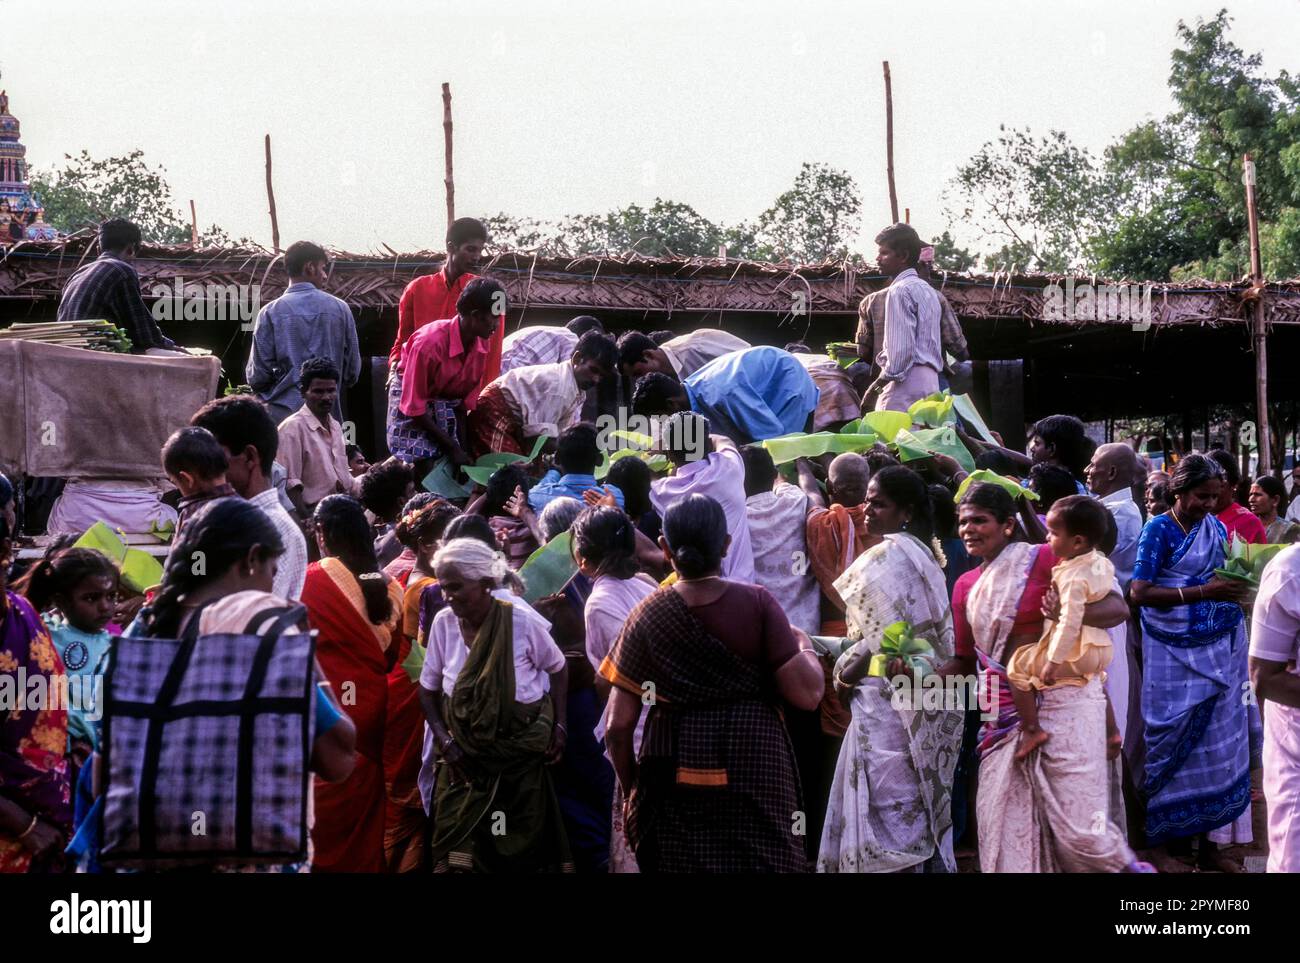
(1245, 562)
(95, 335)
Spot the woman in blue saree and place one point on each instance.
(1201, 732)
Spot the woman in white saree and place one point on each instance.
(1060, 810)
(889, 807)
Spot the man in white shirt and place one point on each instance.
(540, 399)
(244, 428)
(707, 465)
(678, 357)
(911, 355)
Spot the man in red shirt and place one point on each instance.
(432, 297)
(1237, 520)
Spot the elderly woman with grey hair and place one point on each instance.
(493, 689)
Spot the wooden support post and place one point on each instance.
(889, 146)
(446, 139)
(270, 198)
(194, 225)
(1264, 437)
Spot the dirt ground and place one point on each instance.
(1252, 856)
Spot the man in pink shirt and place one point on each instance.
(441, 376)
(1238, 520)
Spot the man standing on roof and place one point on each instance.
(904, 325)
(432, 297)
(302, 323)
(108, 288)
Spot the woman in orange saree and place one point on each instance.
(406, 824)
(355, 609)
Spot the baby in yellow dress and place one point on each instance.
(1069, 652)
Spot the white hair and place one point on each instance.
(558, 515)
(476, 561)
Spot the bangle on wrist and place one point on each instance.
(1180, 595)
(30, 827)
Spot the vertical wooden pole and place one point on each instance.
(448, 181)
(270, 197)
(1263, 435)
(194, 225)
(889, 146)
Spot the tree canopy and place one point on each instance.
(1165, 200)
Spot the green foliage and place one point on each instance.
(1037, 197)
(949, 257)
(812, 221)
(1165, 200)
(87, 191)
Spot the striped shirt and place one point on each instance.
(871, 325)
(690, 352)
(538, 344)
(109, 289)
(911, 339)
(290, 567)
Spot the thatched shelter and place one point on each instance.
(1195, 352)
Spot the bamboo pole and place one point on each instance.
(1265, 437)
(270, 197)
(448, 181)
(889, 146)
(194, 225)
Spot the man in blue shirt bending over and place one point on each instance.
(750, 395)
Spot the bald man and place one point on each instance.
(1111, 474)
(837, 533)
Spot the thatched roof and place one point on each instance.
(36, 272)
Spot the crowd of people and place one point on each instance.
(858, 662)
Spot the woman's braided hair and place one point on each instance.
(342, 523)
(218, 535)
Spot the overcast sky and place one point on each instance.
(578, 107)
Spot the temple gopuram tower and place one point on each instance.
(20, 211)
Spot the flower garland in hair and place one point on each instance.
(937, 548)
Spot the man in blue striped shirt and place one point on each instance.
(911, 356)
(302, 323)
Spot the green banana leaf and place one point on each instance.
(487, 465)
(787, 448)
(934, 410)
(1245, 562)
(970, 414)
(140, 570)
(634, 438)
(549, 568)
(898, 641)
(414, 661)
(924, 442)
(831, 645)
(848, 357)
(657, 463)
(164, 533)
(442, 481)
(985, 476)
(887, 424)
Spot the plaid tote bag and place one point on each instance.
(206, 747)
